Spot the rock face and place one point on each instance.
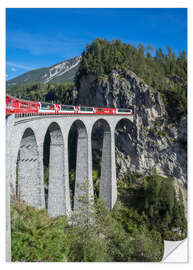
(150, 142)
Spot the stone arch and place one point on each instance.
(125, 134)
(83, 178)
(107, 188)
(56, 178)
(30, 186)
(104, 123)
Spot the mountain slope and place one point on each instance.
(61, 72)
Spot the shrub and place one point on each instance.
(35, 237)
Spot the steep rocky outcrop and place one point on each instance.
(151, 141)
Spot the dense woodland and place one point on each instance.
(51, 92)
(148, 210)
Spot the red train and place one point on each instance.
(18, 106)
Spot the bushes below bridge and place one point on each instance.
(146, 212)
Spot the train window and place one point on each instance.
(86, 109)
(47, 106)
(67, 108)
(124, 110)
(100, 110)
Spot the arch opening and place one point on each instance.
(72, 150)
(46, 158)
(101, 156)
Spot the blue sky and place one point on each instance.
(38, 38)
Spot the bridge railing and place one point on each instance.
(25, 115)
(21, 115)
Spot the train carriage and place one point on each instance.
(18, 106)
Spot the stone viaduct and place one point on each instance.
(25, 172)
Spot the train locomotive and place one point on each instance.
(23, 107)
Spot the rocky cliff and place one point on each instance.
(151, 142)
